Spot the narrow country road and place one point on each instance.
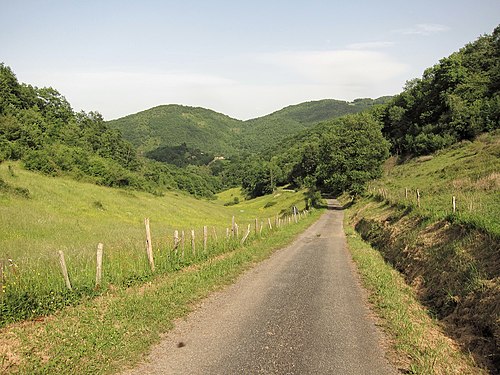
(299, 312)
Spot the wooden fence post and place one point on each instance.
(246, 235)
(205, 238)
(176, 240)
(261, 227)
(406, 193)
(193, 245)
(62, 262)
(418, 198)
(183, 242)
(237, 233)
(149, 246)
(215, 234)
(98, 273)
(1, 278)
(454, 203)
(227, 233)
(233, 227)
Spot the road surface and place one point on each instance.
(299, 312)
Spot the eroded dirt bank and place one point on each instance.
(454, 269)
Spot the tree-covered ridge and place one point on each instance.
(173, 125)
(39, 127)
(168, 126)
(264, 133)
(456, 99)
(340, 155)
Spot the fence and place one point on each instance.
(179, 250)
(415, 197)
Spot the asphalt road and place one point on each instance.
(299, 312)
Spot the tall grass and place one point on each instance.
(470, 171)
(417, 340)
(62, 214)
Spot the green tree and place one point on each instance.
(352, 154)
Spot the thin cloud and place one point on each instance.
(341, 67)
(424, 29)
(295, 77)
(370, 45)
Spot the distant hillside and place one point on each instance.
(39, 128)
(266, 132)
(168, 126)
(173, 125)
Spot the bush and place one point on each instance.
(269, 204)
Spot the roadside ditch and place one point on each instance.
(454, 269)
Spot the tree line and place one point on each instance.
(455, 100)
(39, 128)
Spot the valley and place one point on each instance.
(417, 174)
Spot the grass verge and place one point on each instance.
(418, 344)
(113, 331)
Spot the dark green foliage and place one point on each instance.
(39, 127)
(13, 190)
(235, 201)
(338, 156)
(173, 125)
(456, 99)
(256, 180)
(312, 197)
(352, 154)
(159, 130)
(269, 204)
(265, 133)
(180, 156)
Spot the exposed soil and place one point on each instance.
(455, 271)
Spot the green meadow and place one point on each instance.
(41, 215)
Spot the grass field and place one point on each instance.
(40, 215)
(114, 331)
(470, 171)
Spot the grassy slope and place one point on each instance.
(114, 331)
(63, 214)
(418, 343)
(470, 171)
(450, 260)
(66, 214)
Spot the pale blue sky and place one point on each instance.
(244, 59)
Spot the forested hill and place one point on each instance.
(264, 133)
(39, 128)
(173, 125)
(167, 126)
(456, 99)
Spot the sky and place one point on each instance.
(241, 58)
